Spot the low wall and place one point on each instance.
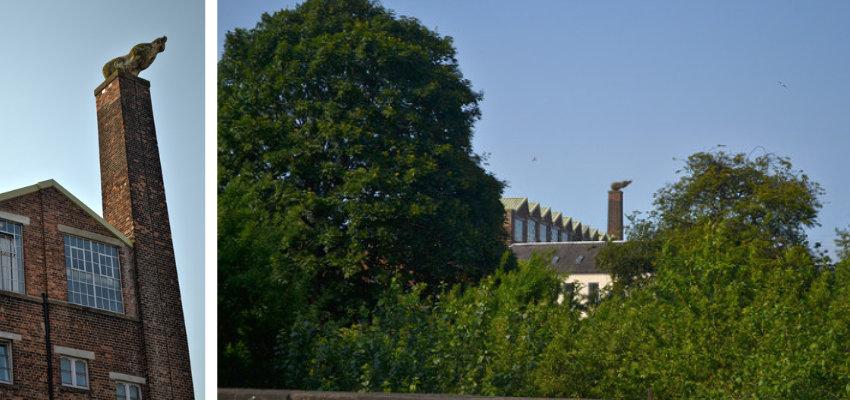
(265, 394)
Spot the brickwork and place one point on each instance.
(134, 202)
(146, 343)
(115, 339)
(615, 214)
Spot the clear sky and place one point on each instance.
(52, 53)
(603, 91)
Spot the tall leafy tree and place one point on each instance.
(754, 198)
(764, 196)
(344, 149)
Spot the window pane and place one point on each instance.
(518, 230)
(134, 393)
(11, 260)
(80, 370)
(5, 374)
(93, 274)
(120, 391)
(66, 371)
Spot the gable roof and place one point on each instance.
(50, 183)
(513, 203)
(534, 208)
(567, 257)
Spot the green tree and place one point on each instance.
(345, 156)
(761, 198)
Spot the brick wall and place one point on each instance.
(615, 214)
(134, 202)
(115, 339)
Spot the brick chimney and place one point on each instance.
(615, 214)
(134, 203)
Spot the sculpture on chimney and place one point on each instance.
(140, 57)
(620, 185)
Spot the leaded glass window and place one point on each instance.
(94, 276)
(11, 257)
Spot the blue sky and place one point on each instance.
(604, 91)
(53, 52)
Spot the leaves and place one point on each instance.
(344, 150)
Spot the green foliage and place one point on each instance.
(345, 159)
(761, 199)
(361, 244)
(486, 339)
(762, 196)
(632, 263)
(720, 320)
(843, 243)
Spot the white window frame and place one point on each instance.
(127, 386)
(15, 280)
(8, 345)
(73, 362)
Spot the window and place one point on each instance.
(128, 391)
(532, 231)
(94, 278)
(592, 288)
(5, 362)
(544, 233)
(11, 262)
(518, 230)
(74, 372)
(556, 235)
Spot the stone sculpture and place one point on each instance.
(139, 58)
(620, 185)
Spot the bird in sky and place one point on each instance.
(534, 159)
(782, 84)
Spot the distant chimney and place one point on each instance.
(615, 214)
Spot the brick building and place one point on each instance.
(90, 306)
(527, 222)
(572, 246)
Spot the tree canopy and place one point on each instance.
(345, 157)
(760, 198)
(764, 195)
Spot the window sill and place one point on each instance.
(9, 386)
(71, 389)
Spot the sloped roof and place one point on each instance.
(546, 214)
(50, 183)
(567, 257)
(513, 203)
(533, 205)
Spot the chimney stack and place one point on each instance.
(615, 214)
(134, 203)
